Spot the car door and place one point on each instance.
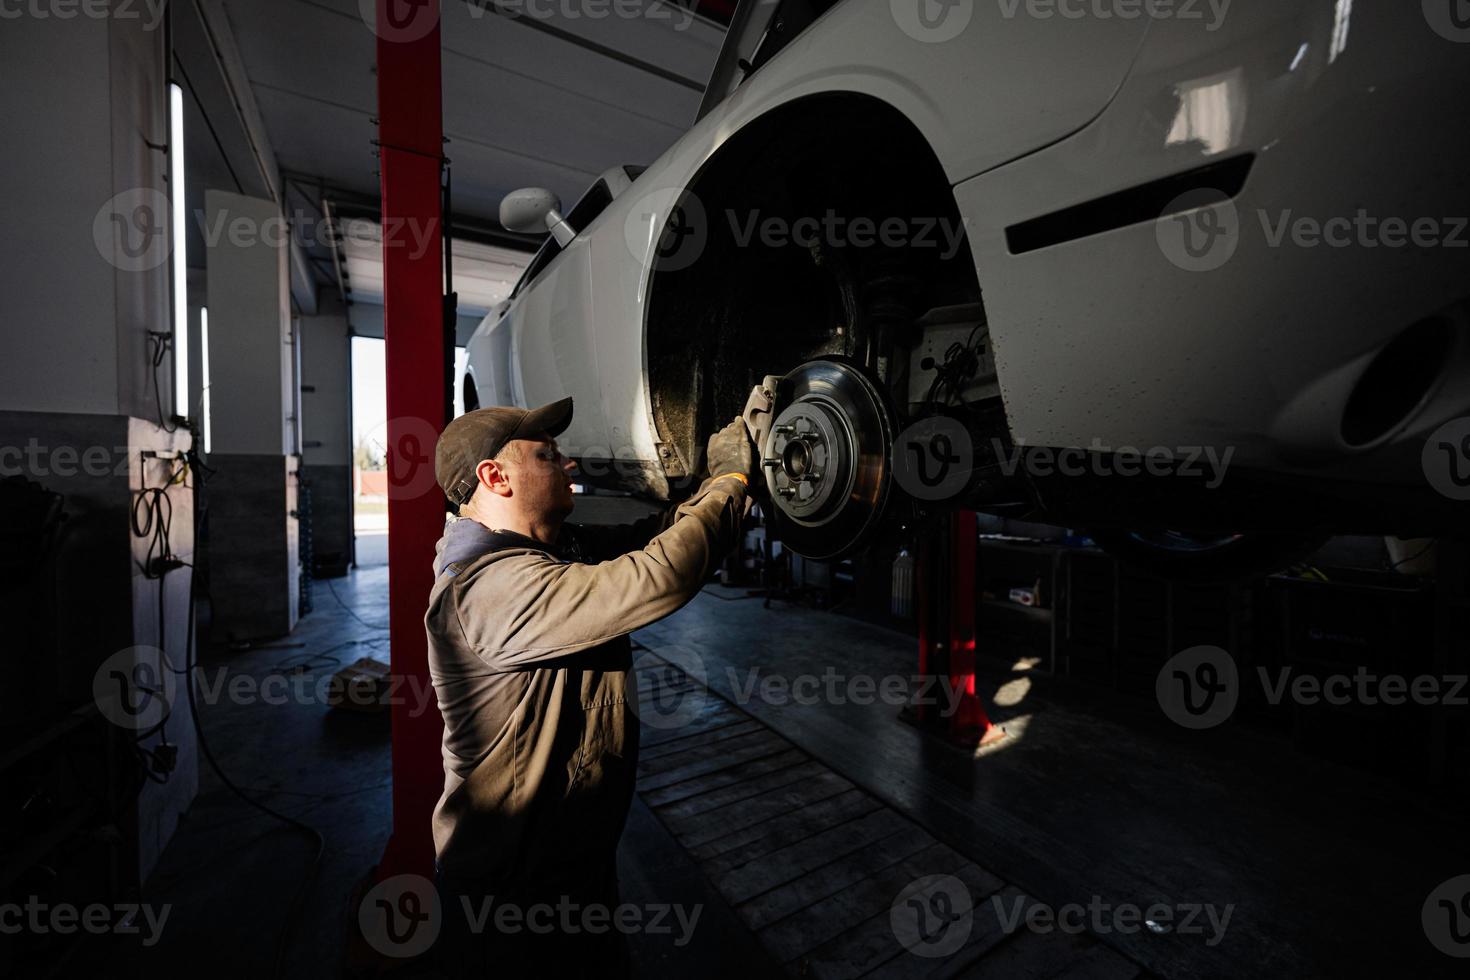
(543, 346)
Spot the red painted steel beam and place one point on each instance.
(969, 720)
(410, 131)
(947, 600)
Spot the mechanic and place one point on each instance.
(530, 659)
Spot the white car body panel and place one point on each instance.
(1060, 73)
(1028, 116)
(1105, 339)
(1004, 86)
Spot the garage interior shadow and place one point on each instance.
(1324, 867)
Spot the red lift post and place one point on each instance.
(410, 135)
(947, 632)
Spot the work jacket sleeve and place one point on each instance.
(529, 608)
(603, 542)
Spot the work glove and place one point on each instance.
(731, 451)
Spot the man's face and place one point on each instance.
(540, 477)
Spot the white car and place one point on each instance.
(1190, 275)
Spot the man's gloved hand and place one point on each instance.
(731, 451)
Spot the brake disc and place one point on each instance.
(826, 459)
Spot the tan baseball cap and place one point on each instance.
(480, 434)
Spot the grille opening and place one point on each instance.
(1397, 382)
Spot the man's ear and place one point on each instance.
(493, 476)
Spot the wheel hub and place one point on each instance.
(809, 459)
(826, 458)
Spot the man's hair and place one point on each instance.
(511, 452)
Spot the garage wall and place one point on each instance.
(253, 542)
(75, 322)
(138, 86)
(249, 326)
(84, 280)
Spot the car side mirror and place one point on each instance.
(533, 210)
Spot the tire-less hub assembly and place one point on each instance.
(826, 460)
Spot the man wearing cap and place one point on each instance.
(531, 662)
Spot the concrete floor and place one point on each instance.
(1101, 798)
(230, 872)
(1326, 868)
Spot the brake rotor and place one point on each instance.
(826, 459)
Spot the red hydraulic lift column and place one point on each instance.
(410, 134)
(947, 635)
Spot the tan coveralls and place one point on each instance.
(530, 659)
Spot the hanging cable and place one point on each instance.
(351, 612)
(160, 344)
(152, 516)
(961, 363)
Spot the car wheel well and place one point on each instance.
(765, 293)
(470, 393)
